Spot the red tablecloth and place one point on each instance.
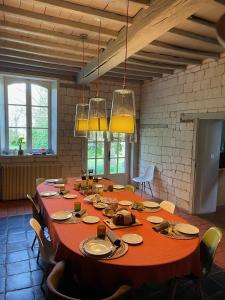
(158, 258)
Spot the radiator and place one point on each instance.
(16, 181)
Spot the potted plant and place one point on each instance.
(20, 141)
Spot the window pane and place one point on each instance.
(100, 150)
(122, 137)
(39, 95)
(40, 117)
(40, 138)
(113, 150)
(14, 134)
(121, 149)
(100, 166)
(17, 116)
(121, 165)
(113, 166)
(91, 165)
(100, 136)
(91, 150)
(17, 93)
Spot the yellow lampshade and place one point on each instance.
(81, 120)
(82, 125)
(97, 115)
(122, 124)
(97, 124)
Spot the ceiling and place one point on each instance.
(42, 37)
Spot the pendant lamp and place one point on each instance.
(122, 124)
(82, 109)
(97, 105)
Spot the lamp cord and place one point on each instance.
(82, 95)
(99, 35)
(125, 61)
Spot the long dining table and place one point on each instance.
(158, 258)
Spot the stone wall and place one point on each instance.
(168, 142)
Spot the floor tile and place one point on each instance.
(17, 256)
(18, 281)
(17, 246)
(2, 284)
(2, 258)
(24, 294)
(37, 277)
(16, 237)
(34, 265)
(18, 267)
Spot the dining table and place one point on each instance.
(157, 258)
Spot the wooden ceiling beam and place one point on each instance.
(180, 51)
(200, 21)
(86, 10)
(136, 74)
(166, 58)
(16, 27)
(147, 26)
(55, 20)
(40, 58)
(110, 74)
(220, 2)
(144, 69)
(43, 43)
(138, 62)
(117, 79)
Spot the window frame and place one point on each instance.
(28, 106)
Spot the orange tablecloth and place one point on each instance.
(158, 258)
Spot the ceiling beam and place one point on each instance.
(200, 21)
(136, 74)
(137, 62)
(86, 10)
(16, 27)
(55, 20)
(144, 69)
(166, 58)
(39, 58)
(147, 26)
(201, 38)
(221, 2)
(177, 50)
(43, 43)
(117, 79)
(110, 74)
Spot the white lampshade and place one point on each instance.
(123, 115)
(81, 120)
(97, 115)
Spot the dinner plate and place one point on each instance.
(118, 187)
(186, 228)
(48, 193)
(150, 204)
(59, 185)
(69, 196)
(98, 186)
(98, 247)
(78, 179)
(61, 215)
(53, 180)
(132, 238)
(100, 205)
(154, 219)
(100, 178)
(125, 202)
(91, 219)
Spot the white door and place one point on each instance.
(207, 165)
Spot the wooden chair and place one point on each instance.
(208, 246)
(60, 286)
(130, 188)
(168, 206)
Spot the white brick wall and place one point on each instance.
(198, 89)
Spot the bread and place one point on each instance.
(124, 217)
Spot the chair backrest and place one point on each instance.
(39, 180)
(149, 173)
(208, 246)
(168, 206)
(45, 246)
(130, 188)
(35, 209)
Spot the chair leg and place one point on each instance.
(150, 189)
(174, 289)
(38, 255)
(199, 288)
(32, 246)
(141, 189)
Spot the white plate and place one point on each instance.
(132, 238)
(61, 215)
(125, 202)
(53, 180)
(70, 196)
(48, 194)
(186, 228)
(118, 187)
(155, 219)
(98, 247)
(150, 204)
(100, 178)
(59, 185)
(91, 219)
(98, 186)
(100, 205)
(78, 179)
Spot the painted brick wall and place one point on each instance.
(164, 139)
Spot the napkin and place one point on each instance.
(161, 226)
(115, 240)
(80, 213)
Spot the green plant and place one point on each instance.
(19, 141)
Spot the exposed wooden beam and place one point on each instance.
(147, 26)
(43, 51)
(39, 58)
(194, 36)
(177, 50)
(199, 21)
(43, 43)
(136, 74)
(144, 3)
(27, 62)
(110, 74)
(86, 10)
(137, 62)
(117, 79)
(145, 69)
(55, 20)
(166, 58)
(16, 27)
(221, 2)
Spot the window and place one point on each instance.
(117, 155)
(96, 153)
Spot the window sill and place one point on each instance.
(28, 155)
